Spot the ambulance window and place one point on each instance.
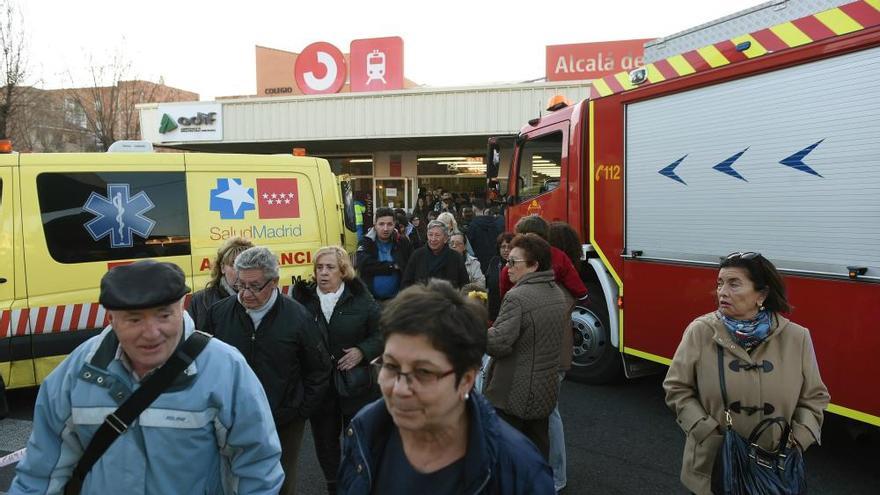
(348, 206)
(114, 215)
(540, 165)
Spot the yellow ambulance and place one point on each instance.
(65, 219)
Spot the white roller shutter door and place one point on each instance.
(827, 113)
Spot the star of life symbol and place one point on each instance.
(277, 199)
(231, 199)
(119, 215)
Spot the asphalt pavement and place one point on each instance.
(620, 439)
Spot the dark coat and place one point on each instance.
(368, 264)
(482, 234)
(499, 460)
(201, 303)
(286, 353)
(451, 268)
(493, 274)
(354, 323)
(416, 238)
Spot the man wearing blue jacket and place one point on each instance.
(210, 431)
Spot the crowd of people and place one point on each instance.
(432, 364)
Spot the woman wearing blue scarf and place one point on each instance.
(769, 363)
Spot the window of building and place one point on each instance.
(362, 165)
(74, 113)
(540, 166)
(458, 166)
(464, 176)
(114, 215)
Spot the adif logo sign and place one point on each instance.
(195, 122)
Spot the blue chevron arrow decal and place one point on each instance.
(669, 170)
(796, 161)
(727, 166)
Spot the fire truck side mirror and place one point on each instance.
(493, 159)
(856, 271)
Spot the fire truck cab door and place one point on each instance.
(539, 171)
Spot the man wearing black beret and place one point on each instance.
(210, 430)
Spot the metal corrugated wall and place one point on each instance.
(412, 113)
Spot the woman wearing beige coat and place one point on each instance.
(769, 364)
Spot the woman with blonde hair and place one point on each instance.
(222, 279)
(452, 227)
(348, 318)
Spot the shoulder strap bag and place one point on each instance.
(118, 422)
(742, 467)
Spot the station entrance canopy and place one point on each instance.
(344, 123)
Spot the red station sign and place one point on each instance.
(320, 69)
(376, 64)
(593, 60)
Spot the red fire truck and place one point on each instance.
(764, 142)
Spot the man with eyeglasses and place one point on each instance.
(281, 343)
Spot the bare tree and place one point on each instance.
(13, 63)
(99, 100)
(108, 101)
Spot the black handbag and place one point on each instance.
(354, 382)
(742, 467)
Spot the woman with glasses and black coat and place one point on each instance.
(770, 369)
(431, 432)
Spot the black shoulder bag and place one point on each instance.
(118, 422)
(742, 467)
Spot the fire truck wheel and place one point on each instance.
(594, 359)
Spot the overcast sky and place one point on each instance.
(208, 46)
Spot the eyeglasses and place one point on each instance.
(748, 255)
(416, 379)
(253, 288)
(511, 262)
